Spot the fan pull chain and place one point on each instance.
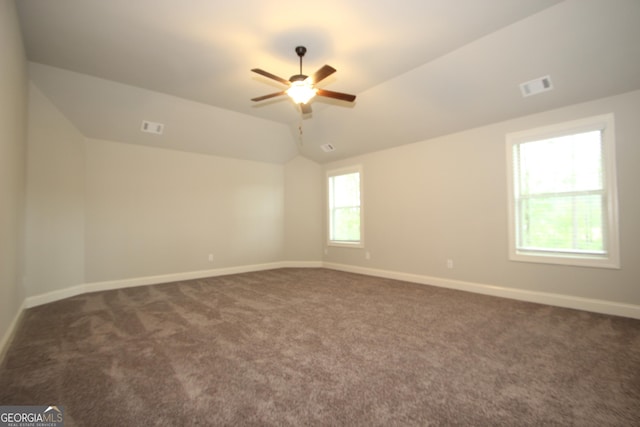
(301, 141)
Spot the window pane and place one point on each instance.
(562, 195)
(346, 224)
(561, 164)
(345, 212)
(563, 223)
(346, 190)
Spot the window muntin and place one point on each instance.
(562, 205)
(345, 207)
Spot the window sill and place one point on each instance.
(568, 259)
(345, 244)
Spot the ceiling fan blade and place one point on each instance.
(322, 73)
(337, 95)
(305, 108)
(271, 76)
(271, 95)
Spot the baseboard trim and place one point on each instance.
(559, 300)
(164, 278)
(84, 288)
(9, 334)
(567, 301)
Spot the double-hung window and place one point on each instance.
(345, 207)
(562, 194)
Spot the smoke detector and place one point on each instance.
(327, 148)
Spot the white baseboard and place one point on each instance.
(302, 264)
(594, 305)
(164, 278)
(10, 332)
(587, 304)
(567, 301)
(84, 288)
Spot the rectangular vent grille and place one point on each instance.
(327, 148)
(536, 86)
(152, 127)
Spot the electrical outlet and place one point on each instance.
(450, 263)
(210, 257)
(367, 255)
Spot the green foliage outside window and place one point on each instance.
(561, 191)
(344, 207)
(563, 223)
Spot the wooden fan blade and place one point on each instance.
(305, 108)
(337, 95)
(271, 76)
(322, 73)
(271, 95)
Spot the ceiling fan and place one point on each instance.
(302, 88)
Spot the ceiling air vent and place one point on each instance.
(536, 86)
(327, 148)
(152, 127)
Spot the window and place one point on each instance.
(345, 207)
(562, 194)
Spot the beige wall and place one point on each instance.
(55, 199)
(154, 211)
(13, 125)
(102, 210)
(148, 212)
(304, 201)
(446, 198)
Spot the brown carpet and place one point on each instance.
(321, 347)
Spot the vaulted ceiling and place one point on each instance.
(420, 68)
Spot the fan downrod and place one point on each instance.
(300, 50)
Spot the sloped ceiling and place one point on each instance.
(420, 68)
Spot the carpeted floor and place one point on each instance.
(321, 347)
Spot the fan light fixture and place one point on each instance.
(301, 91)
(302, 88)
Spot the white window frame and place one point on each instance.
(611, 257)
(337, 172)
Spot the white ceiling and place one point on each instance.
(420, 68)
